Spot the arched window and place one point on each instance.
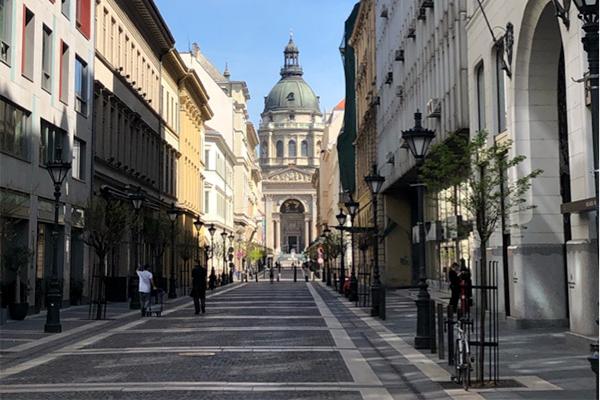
(264, 150)
(279, 148)
(304, 149)
(292, 148)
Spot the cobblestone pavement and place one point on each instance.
(283, 340)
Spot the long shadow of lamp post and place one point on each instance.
(58, 170)
(341, 218)
(418, 140)
(173, 213)
(137, 199)
(375, 182)
(352, 207)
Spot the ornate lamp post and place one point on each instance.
(211, 231)
(352, 207)
(173, 213)
(58, 170)
(327, 233)
(375, 182)
(137, 199)
(223, 274)
(341, 218)
(231, 265)
(198, 225)
(418, 140)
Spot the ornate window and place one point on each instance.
(279, 149)
(292, 148)
(304, 149)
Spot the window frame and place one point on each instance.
(23, 153)
(47, 51)
(45, 142)
(78, 163)
(81, 75)
(6, 31)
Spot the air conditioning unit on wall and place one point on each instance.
(434, 108)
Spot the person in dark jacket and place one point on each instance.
(212, 280)
(454, 279)
(199, 288)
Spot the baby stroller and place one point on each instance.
(156, 303)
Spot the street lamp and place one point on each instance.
(418, 140)
(230, 257)
(352, 207)
(327, 233)
(198, 224)
(173, 213)
(211, 231)
(224, 237)
(375, 182)
(58, 170)
(137, 200)
(341, 217)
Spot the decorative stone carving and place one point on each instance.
(290, 176)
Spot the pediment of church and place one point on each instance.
(290, 175)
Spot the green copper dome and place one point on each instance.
(291, 92)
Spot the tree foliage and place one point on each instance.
(481, 170)
(105, 223)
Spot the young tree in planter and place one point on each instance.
(104, 225)
(157, 234)
(488, 196)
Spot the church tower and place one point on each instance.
(290, 133)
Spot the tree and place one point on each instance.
(14, 257)
(157, 234)
(489, 196)
(105, 223)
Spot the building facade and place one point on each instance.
(290, 135)
(421, 66)
(219, 159)
(520, 89)
(46, 72)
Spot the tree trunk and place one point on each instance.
(100, 292)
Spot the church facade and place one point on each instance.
(290, 133)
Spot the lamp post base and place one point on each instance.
(423, 337)
(172, 289)
(53, 301)
(353, 288)
(375, 297)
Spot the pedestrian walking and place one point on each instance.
(145, 287)
(271, 272)
(199, 288)
(454, 285)
(465, 290)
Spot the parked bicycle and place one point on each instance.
(462, 354)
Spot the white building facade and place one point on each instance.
(553, 260)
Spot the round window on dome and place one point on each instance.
(290, 96)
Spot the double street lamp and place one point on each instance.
(418, 140)
(352, 207)
(375, 182)
(58, 171)
(173, 213)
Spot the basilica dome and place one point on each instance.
(291, 92)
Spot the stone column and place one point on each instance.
(306, 232)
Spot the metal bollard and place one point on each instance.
(432, 334)
(440, 327)
(450, 324)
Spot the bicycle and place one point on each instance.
(462, 356)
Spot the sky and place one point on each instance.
(250, 35)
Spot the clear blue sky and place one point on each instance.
(250, 36)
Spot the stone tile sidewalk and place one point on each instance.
(544, 360)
